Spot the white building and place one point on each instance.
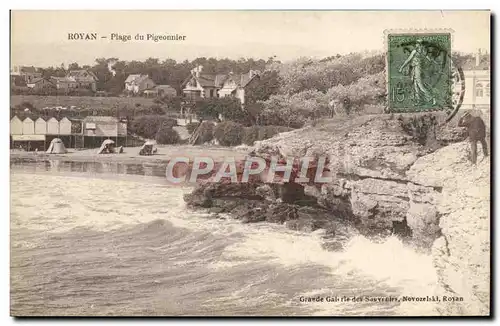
(137, 84)
(477, 89)
(40, 127)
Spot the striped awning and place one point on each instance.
(28, 137)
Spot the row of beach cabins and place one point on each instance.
(29, 134)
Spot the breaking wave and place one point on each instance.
(126, 247)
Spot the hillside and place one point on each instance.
(40, 102)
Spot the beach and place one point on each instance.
(131, 154)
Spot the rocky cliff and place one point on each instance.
(462, 253)
(369, 160)
(404, 175)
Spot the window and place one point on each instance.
(479, 90)
(487, 87)
(211, 93)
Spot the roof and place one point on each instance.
(136, 78)
(131, 78)
(30, 70)
(164, 87)
(211, 80)
(100, 118)
(37, 80)
(82, 74)
(241, 80)
(218, 80)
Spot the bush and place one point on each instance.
(147, 126)
(167, 136)
(206, 132)
(229, 133)
(250, 135)
(192, 126)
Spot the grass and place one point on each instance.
(39, 101)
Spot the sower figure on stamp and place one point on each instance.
(476, 131)
(423, 93)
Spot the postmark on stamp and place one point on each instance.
(419, 71)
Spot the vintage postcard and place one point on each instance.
(250, 163)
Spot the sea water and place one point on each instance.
(111, 239)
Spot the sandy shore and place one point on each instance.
(131, 154)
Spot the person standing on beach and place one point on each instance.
(416, 60)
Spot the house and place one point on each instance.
(41, 83)
(477, 74)
(199, 85)
(84, 79)
(26, 73)
(17, 81)
(161, 90)
(235, 85)
(64, 83)
(137, 84)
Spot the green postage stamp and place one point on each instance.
(419, 71)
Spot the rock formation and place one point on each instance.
(399, 174)
(462, 253)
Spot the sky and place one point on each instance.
(40, 38)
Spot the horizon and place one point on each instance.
(161, 60)
(288, 35)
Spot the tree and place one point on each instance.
(101, 70)
(367, 90)
(262, 88)
(228, 107)
(293, 110)
(73, 66)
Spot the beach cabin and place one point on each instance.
(28, 126)
(98, 128)
(53, 126)
(16, 126)
(40, 127)
(23, 135)
(65, 126)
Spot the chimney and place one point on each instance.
(478, 57)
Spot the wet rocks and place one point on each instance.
(252, 203)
